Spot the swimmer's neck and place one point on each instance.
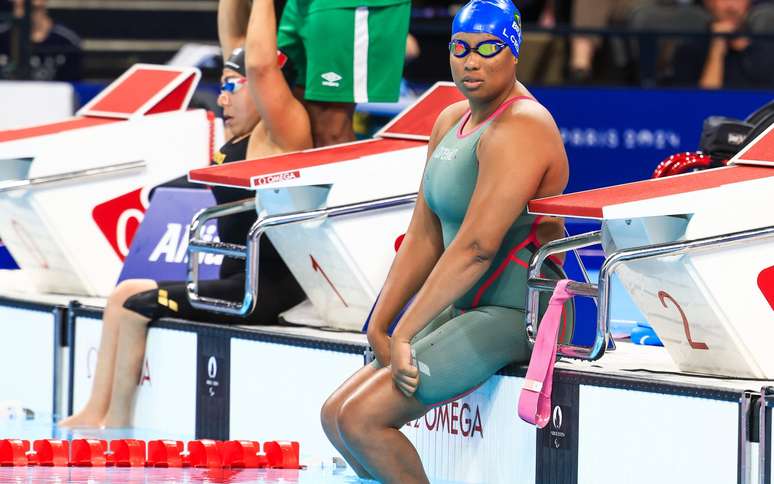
(481, 110)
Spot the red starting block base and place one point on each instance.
(205, 453)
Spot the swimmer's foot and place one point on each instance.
(82, 419)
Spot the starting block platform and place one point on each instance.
(633, 409)
(85, 181)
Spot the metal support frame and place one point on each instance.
(250, 251)
(748, 435)
(764, 435)
(602, 289)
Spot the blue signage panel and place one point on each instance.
(615, 136)
(160, 247)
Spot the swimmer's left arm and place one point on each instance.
(232, 24)
(508, 178)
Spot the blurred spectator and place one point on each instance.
(730, 62)
(595, 14)
(56, 50)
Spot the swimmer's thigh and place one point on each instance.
(468, 349)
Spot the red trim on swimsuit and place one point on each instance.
(497, 111)
(531, 238)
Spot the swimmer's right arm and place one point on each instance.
(283, 115)
(232, 24)
(421, 248)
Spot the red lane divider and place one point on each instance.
(128, 453)
(88, 453)
(243, 454)
(165, 453)
(282, 454)
(204, 453)
(13, 452)
(53, 453)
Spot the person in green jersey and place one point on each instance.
(464, 256)
(343, 52)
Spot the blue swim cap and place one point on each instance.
(500, 18)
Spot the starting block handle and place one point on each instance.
(537, 284)
(11, 185)
(197, 245)
(251, 251)
(611, 264)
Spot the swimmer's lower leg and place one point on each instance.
(335, 439)
(330, 412)
(389, 456)
(93, 412)
(369, 424)
(128, 368)
(96, 408)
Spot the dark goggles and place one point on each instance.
(488, 48)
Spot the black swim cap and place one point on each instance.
(236, 62)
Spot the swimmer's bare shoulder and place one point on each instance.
(529, 130)
(446, 121)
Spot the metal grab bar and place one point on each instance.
(198, 245)
(537, 284)
(611, 264)
(250, 252)
(12, 185)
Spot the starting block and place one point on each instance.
(696, 254)
(334, 214)
(84, 182)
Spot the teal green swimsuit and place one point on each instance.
(484, 329)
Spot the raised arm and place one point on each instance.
(419, 252)
(520, 157)
(232, 24)
(285, 119)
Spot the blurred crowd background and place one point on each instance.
(647, 43)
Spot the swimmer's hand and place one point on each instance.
(404, 373)
(380, 343)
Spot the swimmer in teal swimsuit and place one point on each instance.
(465, 253)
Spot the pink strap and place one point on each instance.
(535, 398)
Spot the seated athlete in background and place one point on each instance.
(262, 119)
(465, 254)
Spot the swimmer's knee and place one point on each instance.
(128, 288)
(329, 414)
(351, 420)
